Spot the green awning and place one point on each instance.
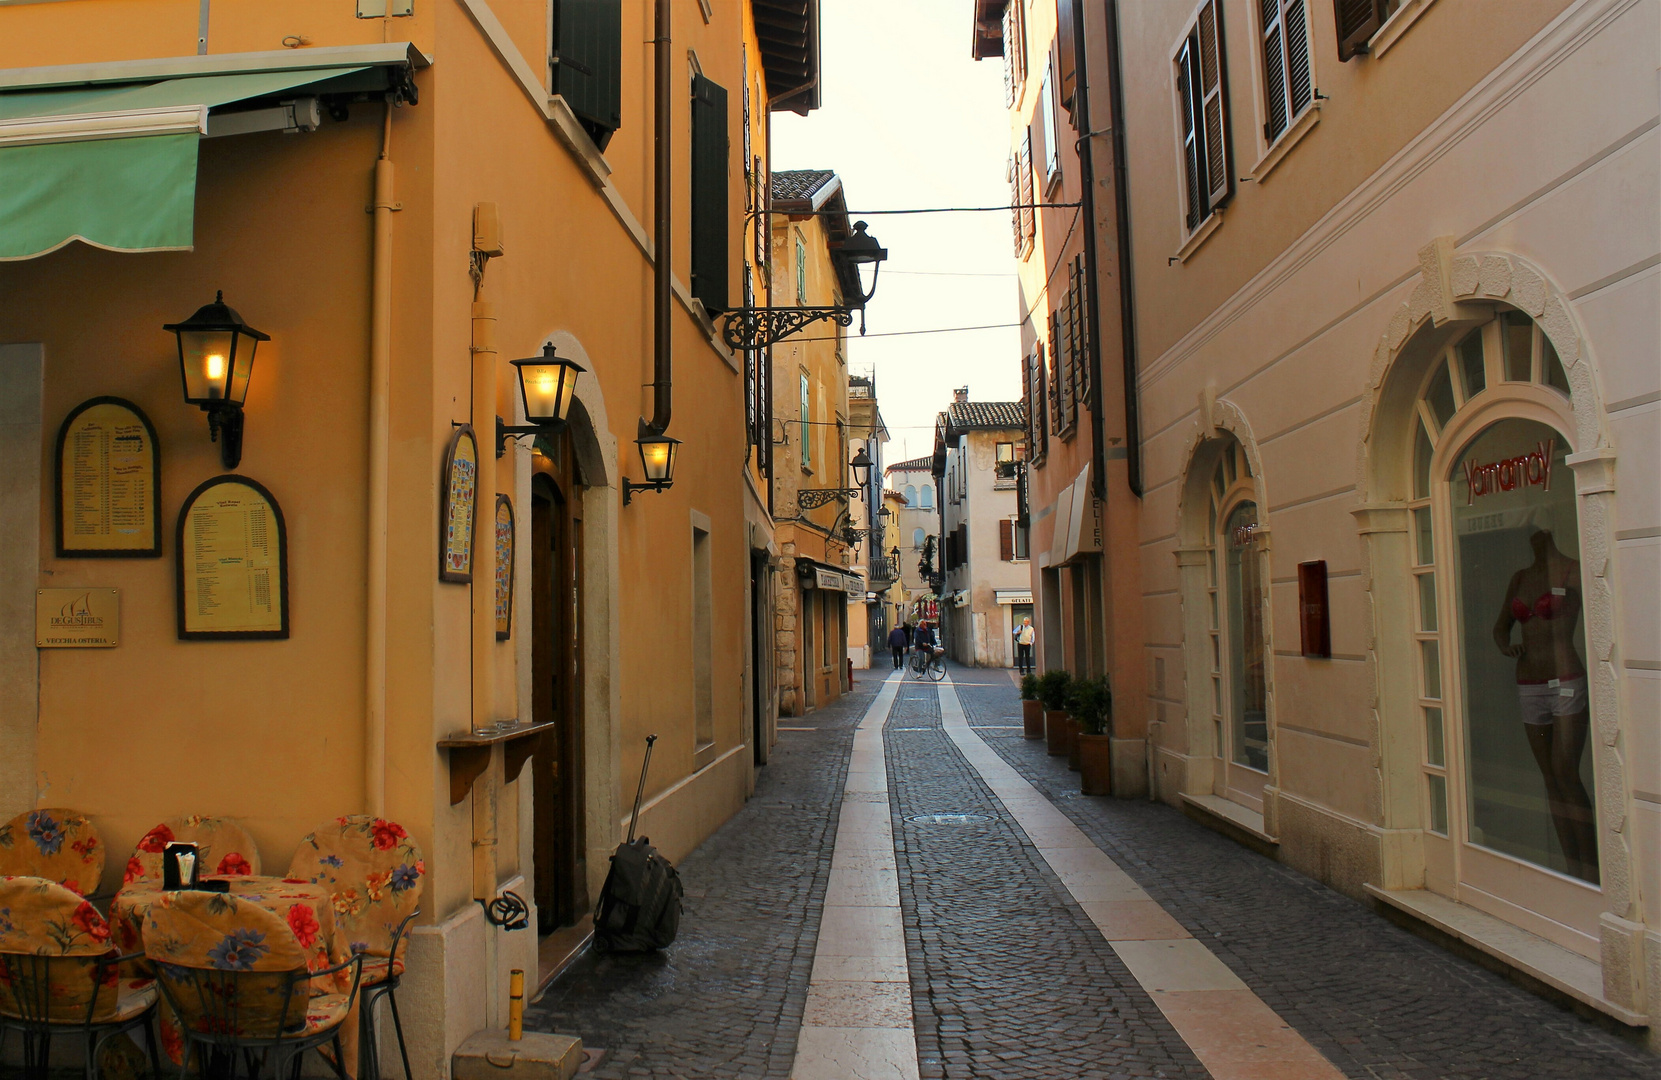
(114, 165)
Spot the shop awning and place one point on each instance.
(106, 153)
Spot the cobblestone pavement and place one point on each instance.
(1379, 1002)
(726, 999)
(1009, 978)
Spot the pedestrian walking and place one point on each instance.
(1024, 636)
(897, 642)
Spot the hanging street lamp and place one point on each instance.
(216, 360)
(657, 459)
(751, 329)
(547, 385)
(814, 498)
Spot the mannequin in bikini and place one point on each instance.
(1543, 601)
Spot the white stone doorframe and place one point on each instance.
(1456, 290)
(1219, 423)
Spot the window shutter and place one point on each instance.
(1040, 419)
(1015, 211)
(1024, 174)
(1358, 21)
(1006, 540)
(709, 194)
(586, 63)
(1299, 84)
(1065, 58)
(1191, 138)
(1213, 110)
(1009, 56)
(1081, 328)
(1274, 70)
(1058, 419)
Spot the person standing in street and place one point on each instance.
(897, 641)
(1024, 636)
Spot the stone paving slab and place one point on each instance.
(1377, 1001)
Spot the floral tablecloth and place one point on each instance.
(306, 908)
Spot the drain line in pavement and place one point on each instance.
(1229, 1028)
(857, 1024)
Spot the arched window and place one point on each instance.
(1500, 647)
(911, 494)
(1237, 639)
(928, 497)
(917, 538)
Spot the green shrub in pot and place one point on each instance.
(1029, 688)
(1090, 702)
(1052, 689)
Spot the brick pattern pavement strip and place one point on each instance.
(1379, 1002)
(726, 999)
(1009, 977)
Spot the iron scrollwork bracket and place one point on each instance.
(757, 328)
(814, 498)
(855, 536)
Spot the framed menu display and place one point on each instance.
(232, 562)
(107, 482)
(458, 506)
(504, 568)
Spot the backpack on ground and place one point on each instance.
(640, 903)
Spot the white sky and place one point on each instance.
(909, 120)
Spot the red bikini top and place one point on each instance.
(1548, 606)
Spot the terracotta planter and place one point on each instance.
(1095, 765)
(1072, 744)
(1055, 732)
(1032, 719)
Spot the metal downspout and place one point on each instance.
(1127, 273)
(662, 204)
(380, 411)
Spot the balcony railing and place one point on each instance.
(884, 568)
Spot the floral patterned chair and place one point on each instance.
(374, 871)
(58, 845)
(226, 848)
(236, 977)
(59, 975)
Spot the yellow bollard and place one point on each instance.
(516, 1005)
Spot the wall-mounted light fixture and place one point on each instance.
(657, 458)
(547, 386)
(216, 360)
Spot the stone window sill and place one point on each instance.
(1198, 237)
(1289, 138)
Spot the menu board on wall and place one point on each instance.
(504, 568)
(107, 482)
(458, 506)
(232, 562)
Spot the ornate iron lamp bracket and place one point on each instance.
(757, 328)
(814, 498)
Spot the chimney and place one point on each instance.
(960, 395)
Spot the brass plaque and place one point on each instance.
(77, 618)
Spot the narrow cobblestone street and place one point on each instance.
(1007, 895)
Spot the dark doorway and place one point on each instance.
(560, 840)
(761, 653)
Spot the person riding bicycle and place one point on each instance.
(924, 641)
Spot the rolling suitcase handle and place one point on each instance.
(641, 790)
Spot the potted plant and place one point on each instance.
(1032, 710)
(1091, 704)
(1052, 692)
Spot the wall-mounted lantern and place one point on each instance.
(657, 458)
(216, 361)
(861, 465)
(547, 386)
(862, 250)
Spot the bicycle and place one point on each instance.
(932, 664)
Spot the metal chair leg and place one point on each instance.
(398, 1026)
(340, 1058)
(369, 1049)
(151, 1039)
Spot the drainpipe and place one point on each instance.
(482, 595)
(1127, 274)
(380, 409)
(662, 194)
(1087, 179)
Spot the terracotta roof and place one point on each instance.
(788, 31)
(799, 185)
(916, 464)
(984, 415)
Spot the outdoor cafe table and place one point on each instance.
(306, 908)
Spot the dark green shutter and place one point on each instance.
(587, 63)
(709, 194)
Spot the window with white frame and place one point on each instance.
(1288, 84)
(1202, 116)
(806, 424)
(1052, 149)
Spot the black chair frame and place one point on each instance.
(27, 984)
(369, 1048)
(222, 1049)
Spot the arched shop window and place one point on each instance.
(1237, 639)
(1500, 642)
